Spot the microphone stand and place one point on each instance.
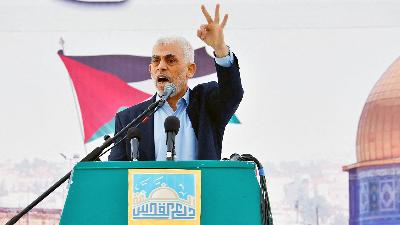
(92, 156)
(171, 146)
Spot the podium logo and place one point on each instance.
(164, 195)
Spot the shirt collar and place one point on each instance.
(186, 97)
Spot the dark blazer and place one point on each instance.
(211, 105)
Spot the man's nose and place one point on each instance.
(162, 65)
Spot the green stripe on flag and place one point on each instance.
(234, 120)
(107, 128)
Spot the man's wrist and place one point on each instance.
(225, 61)
(221, 51)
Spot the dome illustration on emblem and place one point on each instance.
(164, 193)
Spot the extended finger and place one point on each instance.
(224, 21)
(216, 18)
(206, 14)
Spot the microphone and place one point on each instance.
(133, 137)
(171, 126)
(235, 157)
(169, 89)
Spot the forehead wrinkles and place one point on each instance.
(163, 50)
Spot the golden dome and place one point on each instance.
(378, 136)
(163, 193)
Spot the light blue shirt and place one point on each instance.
(185, 140)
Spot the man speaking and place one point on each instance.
(203, 112)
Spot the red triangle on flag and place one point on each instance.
(100, 94)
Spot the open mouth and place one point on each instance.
(162, 79)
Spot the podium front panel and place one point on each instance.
(98, 193)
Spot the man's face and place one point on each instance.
(168, 65)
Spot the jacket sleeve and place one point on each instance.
(225, 99)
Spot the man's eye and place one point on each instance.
(171, 60)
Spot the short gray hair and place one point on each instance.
(188, 52)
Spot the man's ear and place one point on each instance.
(191, 70)
(150, 68)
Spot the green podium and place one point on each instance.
(98, 192)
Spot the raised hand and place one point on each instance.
(212, 33)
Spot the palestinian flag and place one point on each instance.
(105, 85)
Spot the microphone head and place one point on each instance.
(169, 89)
(172, 124)
(235, 157)
(133, 132)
